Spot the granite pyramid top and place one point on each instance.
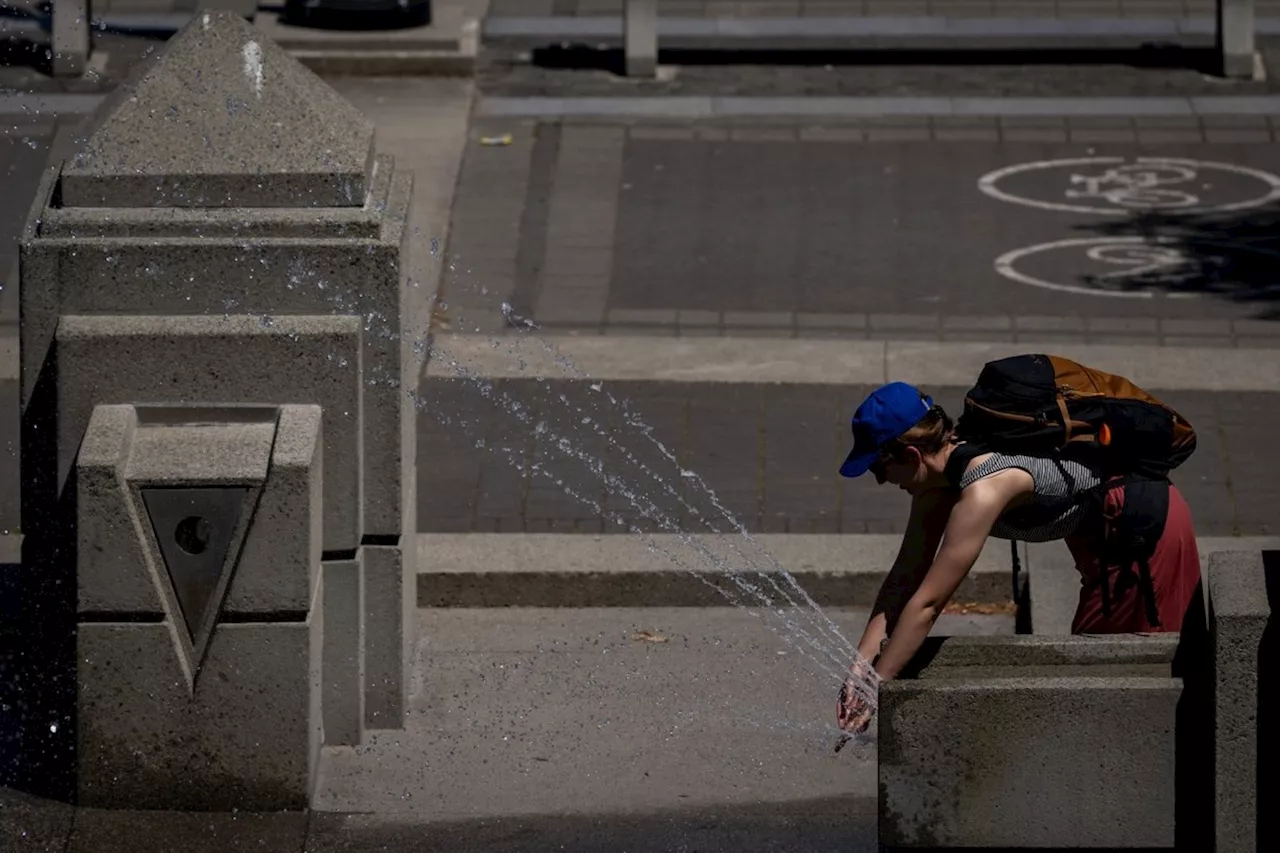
(222, 117)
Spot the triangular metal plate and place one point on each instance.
(195, 530)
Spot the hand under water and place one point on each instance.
(854, 709)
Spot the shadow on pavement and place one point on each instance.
(1231, 255)
(824, 826)
(25, 53)
(590, 58)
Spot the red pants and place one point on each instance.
(1175, 573)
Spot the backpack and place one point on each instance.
(1049, 406)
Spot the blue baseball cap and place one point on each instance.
(890, 411)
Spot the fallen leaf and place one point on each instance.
(648, 637)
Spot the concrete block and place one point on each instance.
(72, 37)
(247, 737)
(1025, 753)
(265, 277)
(126, 449)
(222, 118)
(344, 653)
(112, 574)
(38, 294)
(1236, 38)
(640, 39)
(1243, 589)
(281, 557)
(223, 360)
(389, 603)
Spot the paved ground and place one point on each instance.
(583, 730)
(588, 225)
(769, 453)
(712, 740)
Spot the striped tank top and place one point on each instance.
(1059, 503)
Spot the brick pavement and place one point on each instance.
(864, 229)
(769, 452)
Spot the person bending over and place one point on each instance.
(905, 440)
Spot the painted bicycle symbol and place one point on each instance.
(1152, 264)
(1139, 185)
(1119, 186)
(1138, 267)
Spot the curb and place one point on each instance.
(985, 587)
(743, 31)
(574, 570)
(832, 362)
(690, 107)
(570, 570)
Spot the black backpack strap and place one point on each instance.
(1017, 567)
(961, 455)
(1134, 536)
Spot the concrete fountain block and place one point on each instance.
(224, 360)
(343, 695)
(71, 37)
(389, 583)
(124, 444)
(1031, 751)
(222, 117)
(248, 737)
(263, 277)
(182, 701)
(1242, 588)
(282, 557)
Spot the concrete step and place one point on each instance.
(567, 570)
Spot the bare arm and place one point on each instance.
(929, 513)
(965, 534)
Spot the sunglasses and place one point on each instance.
(878, 466)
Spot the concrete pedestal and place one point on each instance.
(199, 619)
(1028, 741)
(226, 239)
(640, 37)
(1243, 587)
(1236, 38)
(72, 37)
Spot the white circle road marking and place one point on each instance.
(1006, 263)
(988, 184)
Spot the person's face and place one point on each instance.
(905, 471)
